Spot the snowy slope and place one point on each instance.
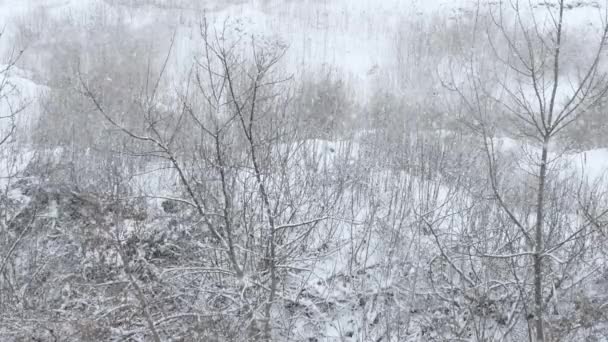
(356, 37)
(353, 38)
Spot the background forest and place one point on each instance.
(315, 170)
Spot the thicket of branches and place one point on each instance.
(245, 203)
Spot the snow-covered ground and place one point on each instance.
(357, 40)
(355, 37)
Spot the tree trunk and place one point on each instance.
(538, 276)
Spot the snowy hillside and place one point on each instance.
(357, 38)
(303, 170)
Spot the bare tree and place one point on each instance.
(239, 164)
(526, 84)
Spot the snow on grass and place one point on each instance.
(23, 92)
(353, 37)
(590, 166)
